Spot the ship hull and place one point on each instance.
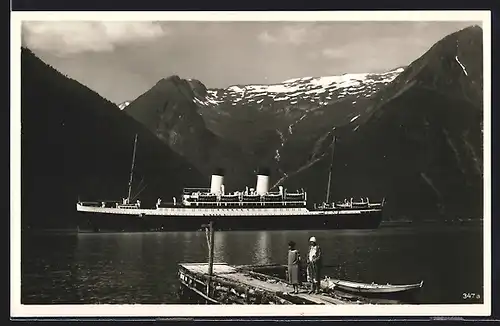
(106, 222)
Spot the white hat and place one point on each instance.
(312, 239)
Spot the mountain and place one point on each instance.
(420, 141)
(169, 111)
(412, 135)
(244, 127)
(299, 93)
(74, 143)
(292, 118)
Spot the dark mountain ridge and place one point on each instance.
(421, 144)
(75, 143)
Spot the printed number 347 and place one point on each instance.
(468, 296)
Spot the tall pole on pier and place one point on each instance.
(210, 256)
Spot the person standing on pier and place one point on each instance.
(314, 262)
(293, 266)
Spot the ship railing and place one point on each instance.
(127, 206)
(203, 198)
(324, 206)
(169, 205)
(300, 197)
(90, 203)
(188, 191)
(375, 205)
(359, 204)
(346, 205)
(272, 194)
(297, 193)
(248, 204)
(242, 199)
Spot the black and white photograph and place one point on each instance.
(290, 163)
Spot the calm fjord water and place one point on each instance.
(141, 267)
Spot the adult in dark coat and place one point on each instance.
(293, 266)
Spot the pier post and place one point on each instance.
(211, 241)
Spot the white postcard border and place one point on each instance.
(19, 310)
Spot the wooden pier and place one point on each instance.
(220, 283)
(242, 285)
(225, 284)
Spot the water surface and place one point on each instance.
(141, 267)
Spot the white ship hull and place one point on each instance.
(102, 219)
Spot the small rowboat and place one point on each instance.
(372, 288)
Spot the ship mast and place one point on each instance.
(330, 172)
(132, 171)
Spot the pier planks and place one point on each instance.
(244, 279)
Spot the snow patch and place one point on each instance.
(316, 91)
(353, 119)
(461, 65)
(236, 89)
(197, 101)
(277, 156)
(213, 101)
(282, 137)
(123, 105)
(306, 88)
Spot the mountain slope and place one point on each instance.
(75, 143)
(168, 111)
(282, 124)
(421, 143)
(243, 127)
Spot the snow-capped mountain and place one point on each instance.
(277, 115)
(123, 105)
(300, 92)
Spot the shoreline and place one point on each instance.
(383, 225)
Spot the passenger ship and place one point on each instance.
(251, 209)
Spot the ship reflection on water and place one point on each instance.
(263, 251)
(220, 249)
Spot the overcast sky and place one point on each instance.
(121, 60)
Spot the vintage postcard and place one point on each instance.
(176, 164)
